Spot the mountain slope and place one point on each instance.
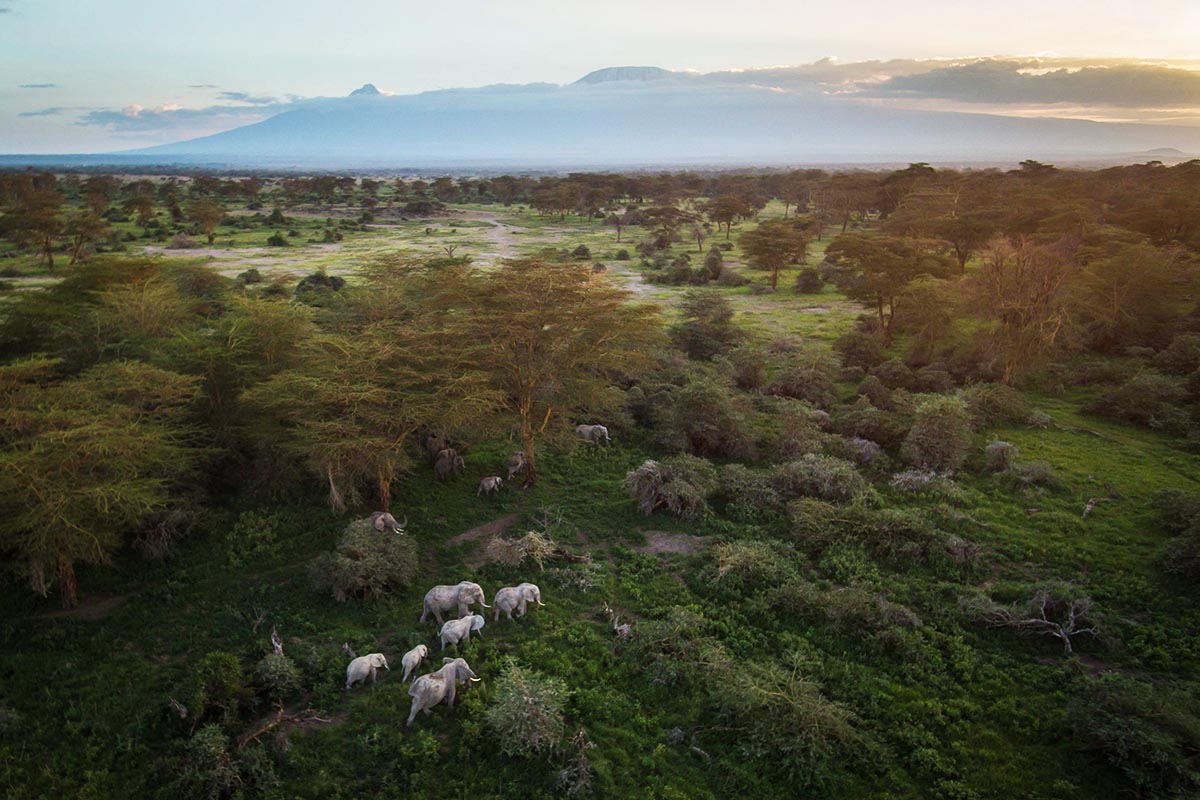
(644, 115)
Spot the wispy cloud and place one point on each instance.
(249, 99)
(44, 112)
(203, 86)
(176, 118)
(38, 86)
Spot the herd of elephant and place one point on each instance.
(447, 463)
(440, 685)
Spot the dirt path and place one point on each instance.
(501, 241)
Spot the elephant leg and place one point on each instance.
(496, 616)
(412, 714)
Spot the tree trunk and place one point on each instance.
(68, 588)
(527, 442)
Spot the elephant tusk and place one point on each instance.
(475, 680)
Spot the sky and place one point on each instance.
(103, 75)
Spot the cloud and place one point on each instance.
(172, 117)
(5, 10)
(203, 86)
(249, 99)
(1037, 81)
(45, 112)
(38, 86)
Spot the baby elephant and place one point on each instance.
(490, 485)
(365, 667)
(511, 597)
(459, 630)
(412, 660)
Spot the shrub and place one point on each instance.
(211, 770)
(999, 456)
(940, 436)
(1149, 398)
(824, 477)
(250, 276)
(748, 494)
(1181, 356)
(710, 419)
(218, 687)
(731, 277)
(526, 714)
(1150, 733)
(862, 452)
(892, 533)
(621, 255)
(181, 241)
(895, 374)
(713, 262)
(873, 389)
(706, 327)
(927, 482)
(809, 281)
(367, 564)
(749, 564)
(858, 349)
(807, 374)
(582, 252)
(1182, 554)
(277, 676)
(1028, 474)
(254, 537)
(278, 239)
(679, 484)
(993, 404)
(865, 421)
(1177, 509)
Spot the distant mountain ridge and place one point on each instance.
(644, 116)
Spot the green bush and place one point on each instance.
(526, 713)
(211, 770)
(277, 676)
(994, 404)
(1149, 398)
(809, 281)
(1150, 733)
(253, 538)
(367, 564)
(748, 494)
(858, 349)
(1180, 357)
(999, 456)
(706, 327)
(940, 437)
(218, 687)
(823, 477)
(680, 484)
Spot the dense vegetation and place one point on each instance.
(944, 548)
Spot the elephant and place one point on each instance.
(443, 599)
(459, 630)
(436, 443)
(412, 660)
(383, 521)
(489, 485)
(516, 464)
(511, 597)
(593, 433)
(432, 688)
(448, 464)
(365, 667)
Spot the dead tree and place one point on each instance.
(1051, 612)
(276, 641)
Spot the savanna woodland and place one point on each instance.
(896, 493)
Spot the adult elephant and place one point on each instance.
(516, 597)
(444, 598)
(596, 434)
(430, 689)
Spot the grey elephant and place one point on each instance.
(383, 521)
(489, 485)
(448, 464)
(516, 597)
(443, 599)
(411, 660)
(459, 630)
(516, 464)
(365, 667)
(432, 688)
(435, 443)
(596, 434)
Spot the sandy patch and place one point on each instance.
(660, 542)
(493, 528)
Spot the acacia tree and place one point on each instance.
(878, 270)
(1020, 288)
(724, 209)
(556, 336)
(397, 365)
(33, 221)
(85, 229)
(773, 245)
(207, 214)
(84, 462)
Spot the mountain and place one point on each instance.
(647, 116)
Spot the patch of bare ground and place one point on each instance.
(91, 608)
(493, 528)
(660, 542)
